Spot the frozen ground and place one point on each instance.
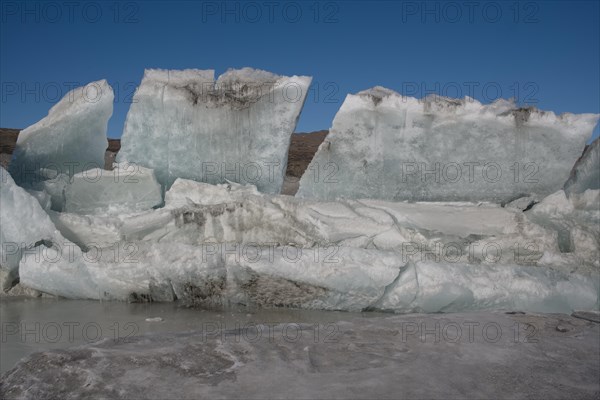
(17, 314)
(297, 354)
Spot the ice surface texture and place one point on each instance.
(71, 139)
(231, 244)
(23, 225)
(456, 356)
(353, 279)
(235, 244)
(576, 221)
(127, 188)
(185, 124)
(586, 172)
(387, 146)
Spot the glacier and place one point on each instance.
(184, 124)
(358, 280)
(71, 139)
(387, 146)
(230, 244)
(376, 224)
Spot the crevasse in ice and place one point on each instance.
(586, 172)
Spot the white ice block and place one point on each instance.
(23, 225)
(126, 188)
(71, 139)
(384, 145)
(184, 124)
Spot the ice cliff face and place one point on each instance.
(24, 226)
(71, 139)
(387, 146)
(230, 244)
(184, 124)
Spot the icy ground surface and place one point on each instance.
(112, 318)
(387, 146)
(297, 354)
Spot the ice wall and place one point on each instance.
(71, 139)
(230, 244)
(353, 279)
(23, 225)
(184, 124)
(427, 286)
(386, 146)
(198, 213)
(349, 247)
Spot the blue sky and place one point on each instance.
(544, 53)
